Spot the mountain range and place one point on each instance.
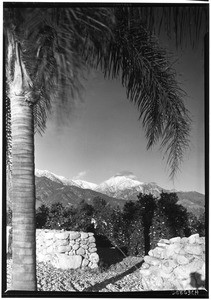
(52, 188)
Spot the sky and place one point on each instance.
(103, 136)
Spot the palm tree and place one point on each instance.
(46, 51)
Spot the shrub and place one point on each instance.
(42, 214)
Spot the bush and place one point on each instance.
(55, 215)
(42, 214)
(135, 229)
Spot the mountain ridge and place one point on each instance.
(51, 188)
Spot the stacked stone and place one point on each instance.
(175, 264)
(67, 249)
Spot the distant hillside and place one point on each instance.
(193, 201)
(51, 188)
(50, 191)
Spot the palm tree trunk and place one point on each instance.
(23, 196)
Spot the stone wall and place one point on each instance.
(67, 249)
(175, 264)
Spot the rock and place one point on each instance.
(66, 262)
(178, 247)
(62, 235)
(145, 272)
(195, 265)
(175, 240)
(201, 240)
(166, 275)
(202, 272)
(156, 282)
(184, 240)
(63, 249)
(91, 239)
(92, 245)
(85, 262)
(84, 247)
(152, 260)
(192, 239)
(163, 245)
(84, 235)
(152, 282)
(50, 249)
(172, 249)
(182, 272)
(84, 242)
(74, 235)
(62, 242)
(94, 257)
(49, 242)
(75, 246)
(164, 241)
(145, 265)
(71, 242)
(182, 251)
(72, 252)
(93, 250)
(151, 253)
(167, 266)
(145, 283)
(49, 235)
(94, 266)
(40, 257)
(182, 260)
(80, 251)
(44, 258)
(157, 252)
(193, 249)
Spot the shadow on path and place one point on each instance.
(109, 256)
(99, 286)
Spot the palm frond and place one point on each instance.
(151, 85)
(57, 45)
(183, 23)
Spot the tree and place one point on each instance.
(177, 216)
(55, 216)
(147, 204)
(41, 216)
(79, 218)
(46, 49)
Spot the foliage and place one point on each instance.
(42, 214)
(134, 230)
(108, 222)
(196, 225)
(79, 218)
(67, 218)
(55, 218)
(177, 217)
(158, 229)
(61, 43)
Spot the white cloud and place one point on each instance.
(80, 175)
(126, 173)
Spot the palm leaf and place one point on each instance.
(58, 44)
(150, 84)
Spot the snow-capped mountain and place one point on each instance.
(51, 188)
(117, 185)
(85, 184)
(54, 177)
